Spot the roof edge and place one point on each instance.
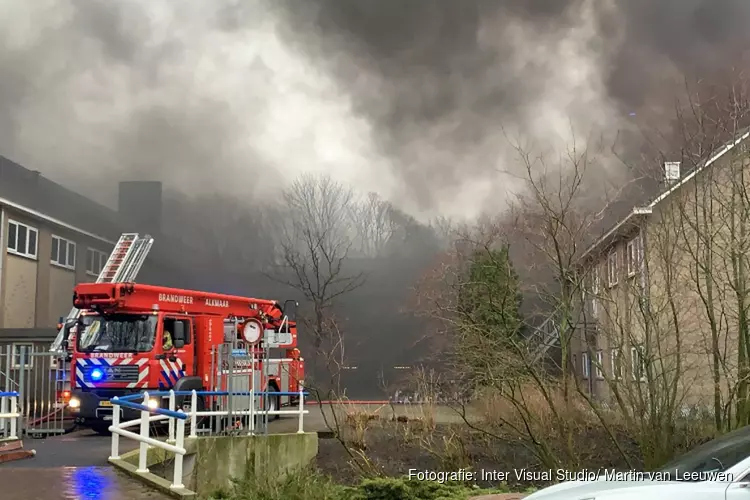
(614, 231)
(724, 150)
(52, 220)
(728, 146)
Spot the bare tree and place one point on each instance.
(372, 224)
(551, 223)
(314, 244)
(714, 216)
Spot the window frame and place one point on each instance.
(595, 288)
(633, 256)
(16, 356)
(599, 365)
(585, 365)
(616, 365)
(103, 257)
(637, 358)
(68, 243)
(613, 271)
(29, 230)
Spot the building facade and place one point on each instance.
(43, 258)
(661, 304)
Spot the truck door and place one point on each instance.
(177, 346)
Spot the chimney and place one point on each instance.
(671, 172)
(140, 206)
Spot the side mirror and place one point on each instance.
(179, 334)
(290, 309)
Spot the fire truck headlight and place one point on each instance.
(97, 375)
(153, 403)
(74, 403)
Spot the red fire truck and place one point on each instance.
(134, 338)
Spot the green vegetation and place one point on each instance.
(490, 296)
(311, 485)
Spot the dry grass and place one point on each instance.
(531, 408)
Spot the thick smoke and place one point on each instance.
(412, 99)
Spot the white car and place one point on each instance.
(716, 470)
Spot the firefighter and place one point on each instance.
(167, 343)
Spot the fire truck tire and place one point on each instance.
(274, 402)
(201, 407)
(273, 405)
(101, 429)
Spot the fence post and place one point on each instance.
(178, 458)
(143, 453)
(251, 423)
(4, 409)
(194, 414)
(172, 404)
(115, 453)
(301, 410)
(14, 419)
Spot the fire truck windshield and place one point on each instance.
(117, 333)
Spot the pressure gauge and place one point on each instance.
(252, 331)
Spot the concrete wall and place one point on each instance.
(61, 285)
(212, 462)
(219, 459)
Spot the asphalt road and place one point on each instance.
(74, 466)
(70, 467)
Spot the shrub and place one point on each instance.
(310, 485)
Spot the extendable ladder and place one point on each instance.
(123, 265)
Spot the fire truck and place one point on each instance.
(132, 338)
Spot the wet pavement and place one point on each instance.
(71, 467)
(71, 483)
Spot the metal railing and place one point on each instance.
(33, 372)
(175, 442)
(11, 413)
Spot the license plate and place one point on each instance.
(105, 403)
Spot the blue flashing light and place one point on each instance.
(97, 374)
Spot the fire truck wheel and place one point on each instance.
(101, 429)
(273, 404)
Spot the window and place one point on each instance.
(612, 270)
(22, 351)
(63, 252)
(22, 239)
(585, 364)
(169, 326)
(638, 362)
(617, 363)
(599, 362)
(634, 255)
(595, 291)
(95, 261)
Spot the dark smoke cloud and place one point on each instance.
(407, 98)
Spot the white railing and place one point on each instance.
(175, 442)
(9, 399)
